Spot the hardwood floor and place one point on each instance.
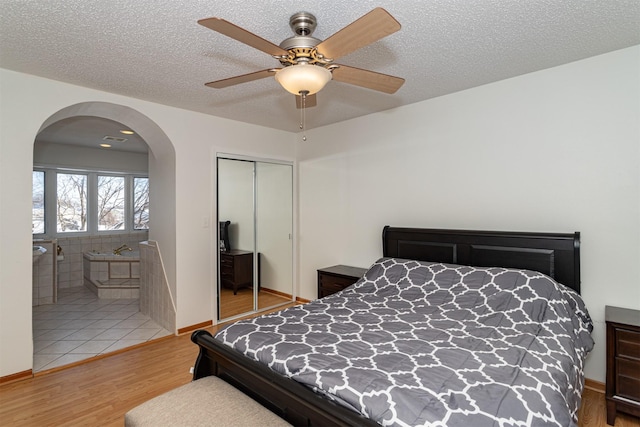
(593, 412)
(232, 305)
(100, 392)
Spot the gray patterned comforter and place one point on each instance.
(425, 344)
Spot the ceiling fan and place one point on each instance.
(307, 62)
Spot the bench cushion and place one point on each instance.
(204, 402)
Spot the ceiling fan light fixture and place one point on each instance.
(303, 77)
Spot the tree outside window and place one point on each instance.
(140, 203)
(111, 203)
(72, 202)
(37, 210)
(89, 201)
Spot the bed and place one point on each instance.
(448, 328)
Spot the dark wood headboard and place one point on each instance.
(555, 254)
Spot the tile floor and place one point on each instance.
(81, 326)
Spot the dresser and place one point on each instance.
(336, 278)
(236, 269)
(623, 362)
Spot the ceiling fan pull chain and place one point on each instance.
(303, 95)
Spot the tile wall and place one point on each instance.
(155, 297)
(44, 274)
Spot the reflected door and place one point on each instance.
(255, 257)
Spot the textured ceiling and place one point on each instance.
(155, 50)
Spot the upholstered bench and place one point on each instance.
(204, 402)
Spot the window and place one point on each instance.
(88, 202)
(140, 203)
(72, 202)
(111, 203)
(37, 210)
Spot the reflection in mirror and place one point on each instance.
(274, 210)
(225, 244)
(255, 210)
(235, 268)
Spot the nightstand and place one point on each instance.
(623, 362)
(236, 269)
(336, 278)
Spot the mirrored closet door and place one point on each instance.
(255, 245)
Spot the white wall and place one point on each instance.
(556, 150)
(26, 102)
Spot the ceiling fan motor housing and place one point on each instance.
(303, 23)
(302, 45)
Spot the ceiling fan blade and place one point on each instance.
(369, 28)
(242, 35)
(219, 84)
(368, 79)
(311, 101)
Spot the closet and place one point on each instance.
(255, 234)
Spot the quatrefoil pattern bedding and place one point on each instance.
(426, 344)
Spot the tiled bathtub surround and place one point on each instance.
(156, 300)
(70, 270)
(112, 276)
(81, 326)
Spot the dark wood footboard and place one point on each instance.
(292, 401)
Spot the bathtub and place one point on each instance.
(110, 256)
(112, 276)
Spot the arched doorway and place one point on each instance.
(161, 171)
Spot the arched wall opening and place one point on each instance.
(162, 176)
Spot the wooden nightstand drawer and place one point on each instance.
(629, 388)
(628, 368)
(628, 343)
(336, 278)
(333, 284)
